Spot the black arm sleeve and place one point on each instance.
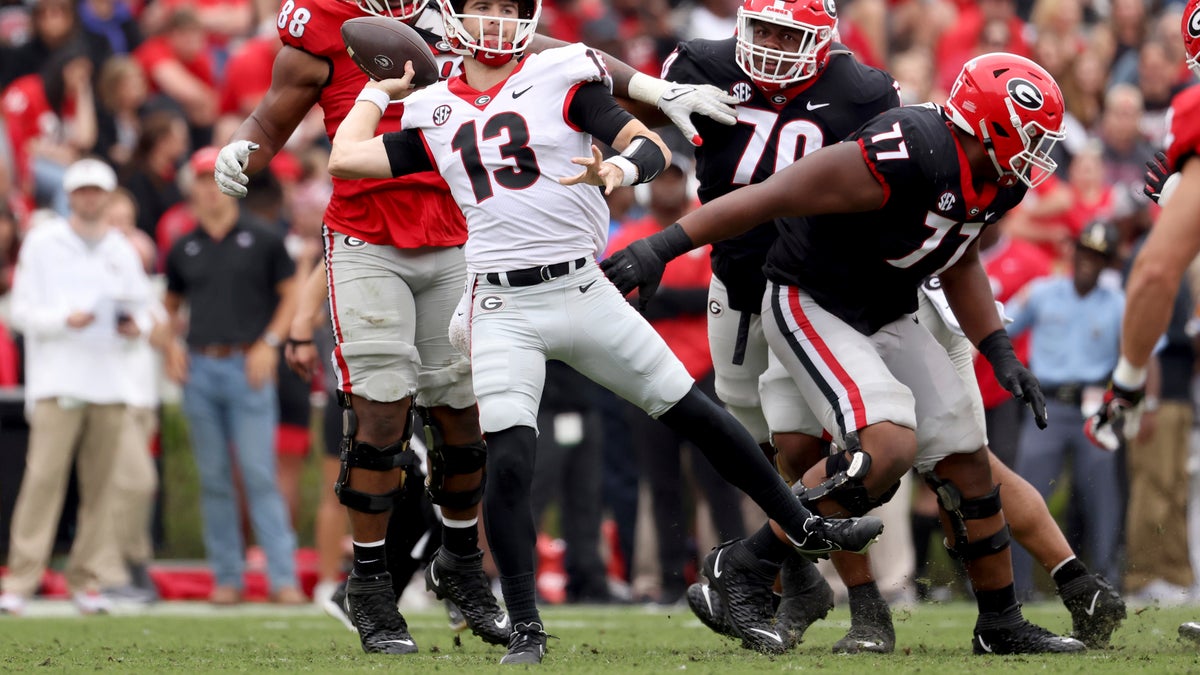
(406, 152)
(594, 110)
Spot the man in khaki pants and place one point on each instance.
(80, 297)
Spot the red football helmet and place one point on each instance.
(815, 20)
(404, 10)
(1191, 35)
(1014, 107)
(463, 41)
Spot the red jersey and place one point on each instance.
(1183, 123)
(687, 336)
(1010, 265)
(158, 49)
(248, 75)
(409, 212)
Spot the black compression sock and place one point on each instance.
(766, 546)
(370, 559)
(999, 601)
(1069, 571)
(520, 599)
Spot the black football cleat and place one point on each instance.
(1190, 631)
(335, 606)
(743, 583)
(526, 645)
(1023, 638)
(827, 535)
(461, 580)
(871, 630)
(1096, 609)
(807, 598)
(371, 605)
(706, 604)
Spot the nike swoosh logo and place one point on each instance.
(519, 94)
(501, 622)
(773, 635)
(1092, 608)
(986, 647)
(708, 598)
(369, 561)
(814, 106)
(717, 564)
(584, 288)
(398, 642)
(988, 215)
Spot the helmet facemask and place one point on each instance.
(461, 29)
(776, 68)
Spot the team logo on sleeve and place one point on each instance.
(1024, 94)
(946, 202)
(742, 91)
(441, 115)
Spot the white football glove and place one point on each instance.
(679, 101)
(231, 163)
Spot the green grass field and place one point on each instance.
(193, 638)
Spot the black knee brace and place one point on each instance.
(844, 482)
(961, 510)
(451, 460)
(359, 455)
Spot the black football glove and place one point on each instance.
(1157, 172)
(1106, 427)
(1012, 375)
(640, 265)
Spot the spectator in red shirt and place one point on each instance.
(178, 66)
(51, 119)
(248, 74)
(965, 39)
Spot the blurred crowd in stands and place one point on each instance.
(147, 85)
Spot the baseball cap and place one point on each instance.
(204, 160)
(1098, 237)
(89, 173)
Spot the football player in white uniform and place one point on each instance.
(509, 136)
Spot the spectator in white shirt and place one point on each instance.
(81, 298)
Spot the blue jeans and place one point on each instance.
(226, 418)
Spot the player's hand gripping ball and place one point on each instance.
(381, 45)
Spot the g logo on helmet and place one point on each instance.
(1193, 24)
(1024, 94)
(830, 8)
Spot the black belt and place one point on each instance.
(532, 276)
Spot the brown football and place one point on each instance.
(380, 46)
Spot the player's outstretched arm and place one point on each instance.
(296, 82)
(357, 152)
(835, 179)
